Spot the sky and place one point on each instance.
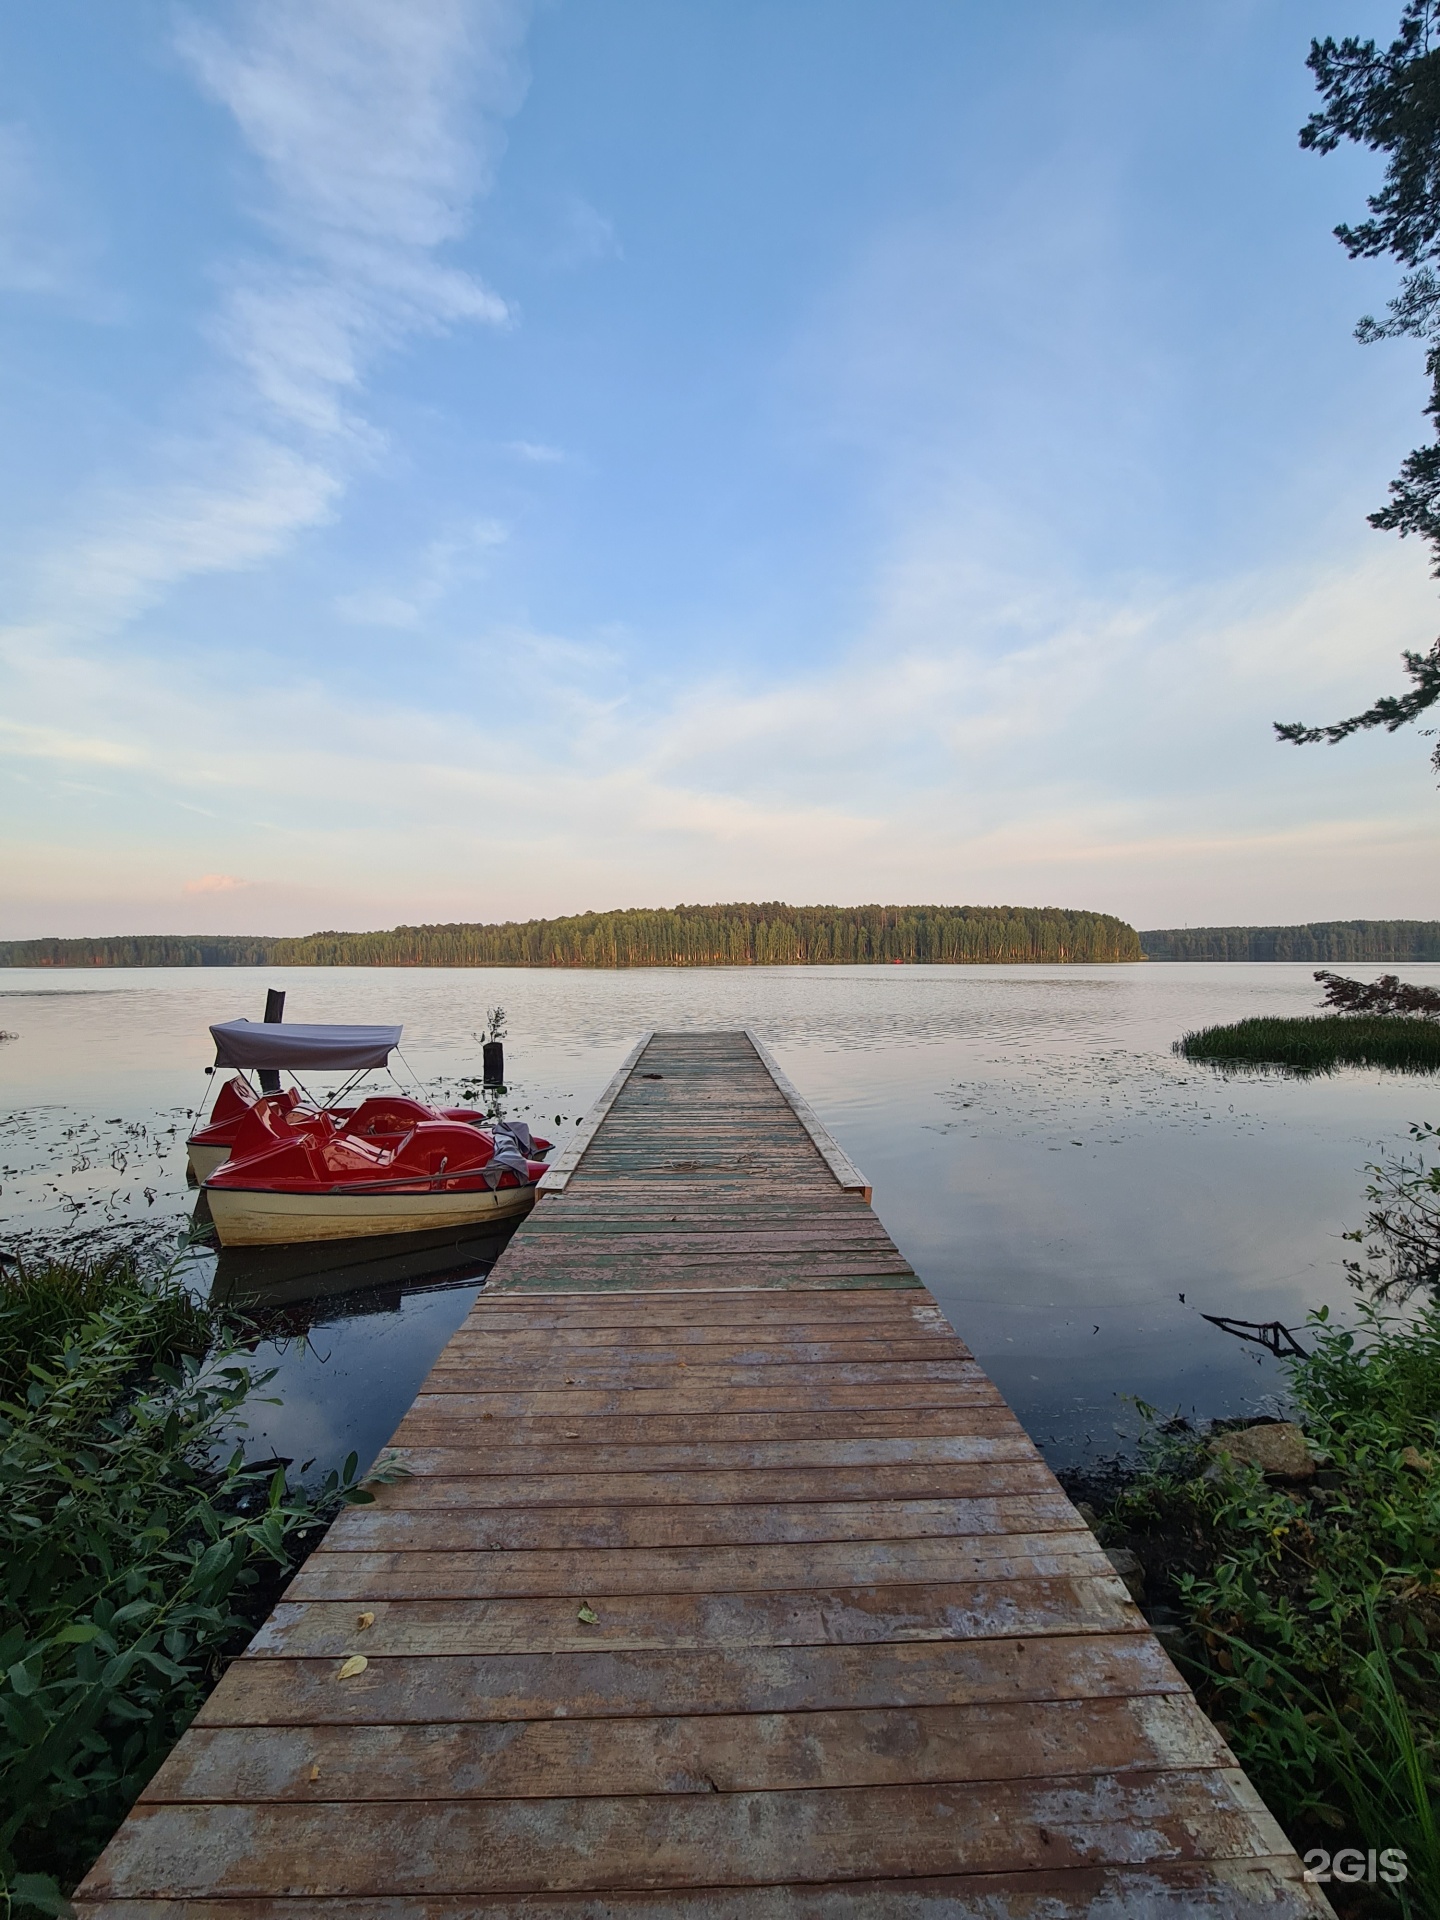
(467, 460)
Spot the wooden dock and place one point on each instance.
(725, 1586)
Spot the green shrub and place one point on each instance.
(133, 1563)
(1313, 1615)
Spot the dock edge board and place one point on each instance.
(831, 1152)
(556, 1176)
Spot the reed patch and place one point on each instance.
(1319, 1043)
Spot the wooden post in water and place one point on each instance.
(274, 1015)
(493, 1055)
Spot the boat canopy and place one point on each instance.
(255, 1043)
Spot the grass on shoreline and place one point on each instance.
(135, 1557)
(43, 1306)
(1318, 1043)
(1310, 1614)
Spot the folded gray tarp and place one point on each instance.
(255, 1043)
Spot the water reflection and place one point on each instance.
(354, 1276)
(349, 1330)
(1270, 1334)
(1076, 1195)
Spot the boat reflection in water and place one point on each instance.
(342, 1336)
(346, 1277)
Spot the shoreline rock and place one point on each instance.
(1278, 1447)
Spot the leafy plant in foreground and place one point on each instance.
(1369, 1746)
(131, 1564)
(1314, 1616)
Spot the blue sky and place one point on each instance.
(462, 459)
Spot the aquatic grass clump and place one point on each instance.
(1318, 1043)
(137, 1549)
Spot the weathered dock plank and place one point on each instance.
(725, 1585)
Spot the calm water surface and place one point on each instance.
(1074, 1194)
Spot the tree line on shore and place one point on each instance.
(762, 934)
(767, 933)
(1321, 940)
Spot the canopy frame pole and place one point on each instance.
(323, 1106)
(415, 1081)
(342, 1092)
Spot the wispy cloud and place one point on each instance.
(61, 744)
(228, 502)
(454, 557)
(214, 883)
(1007, 742)
(371, 128)
(536, 452)
(583, 235)
(358, 113)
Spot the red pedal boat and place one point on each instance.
(394, 1165)
(281, 1167)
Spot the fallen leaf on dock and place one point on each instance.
(356, 1663)
(315, 1773)
(587, 1614)
(364, 1620)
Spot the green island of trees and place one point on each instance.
(765, 934)
(759, 934)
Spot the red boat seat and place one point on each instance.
(235, 1101)
(235, 1098)
(386, 1114)
(311, 1152)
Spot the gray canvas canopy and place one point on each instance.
(255, 1043)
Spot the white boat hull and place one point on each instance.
(203, 1161)
(253, 1217)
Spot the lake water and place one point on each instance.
(1075, 1195)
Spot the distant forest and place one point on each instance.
(766, 935)
(1325, 940)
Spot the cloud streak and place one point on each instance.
(446, 561)
(1009, 744)
(353, 110)
(371, 129)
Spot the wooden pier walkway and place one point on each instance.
(726, 1586)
